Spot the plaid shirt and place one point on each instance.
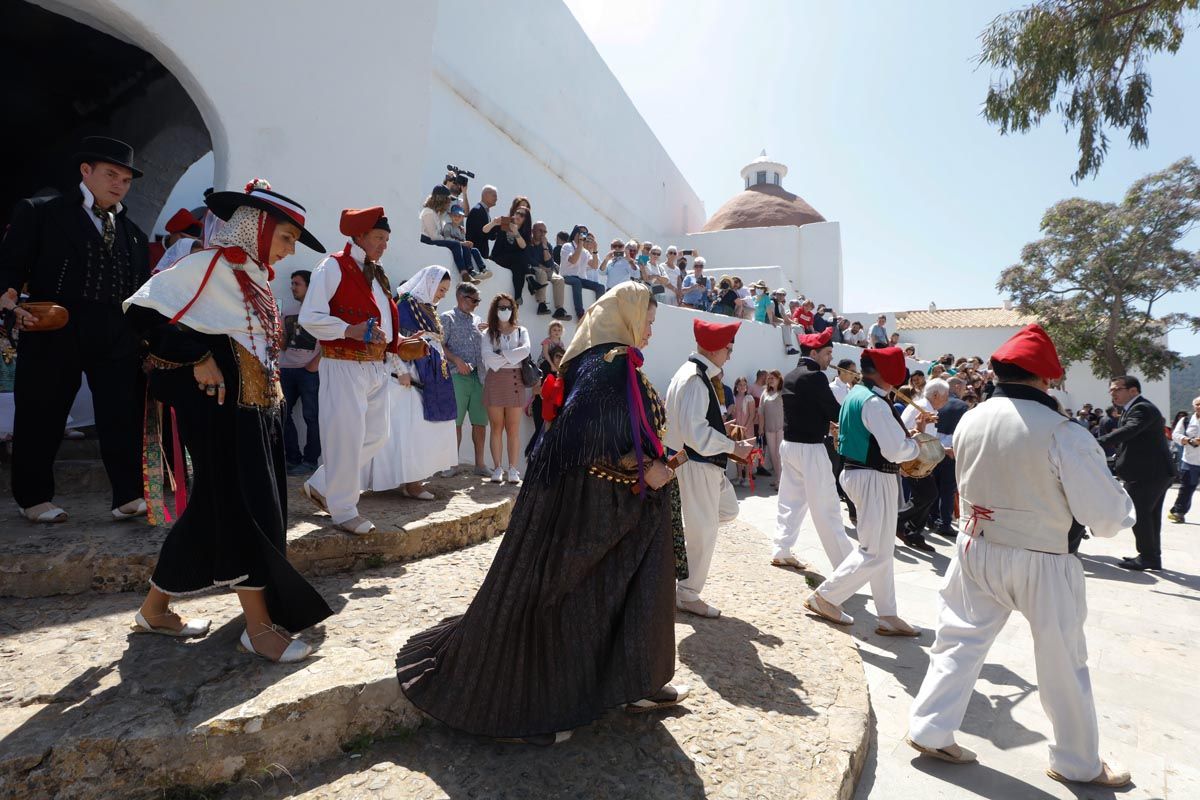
(463, 338)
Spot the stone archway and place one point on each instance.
(78, 80)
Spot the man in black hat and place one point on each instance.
(81, 251)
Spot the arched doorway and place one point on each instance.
(75, 81)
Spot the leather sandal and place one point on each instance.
(699, 608)
(540, 740)
(952, 754)
(1108, 777)
(827, 610)
(667, 696)
(139, 510)
(360, 526)
(314, 497)
(788, 561)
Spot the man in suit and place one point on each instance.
(81, 251)
(1144, 463)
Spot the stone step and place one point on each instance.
(91, 553)
(779, 705)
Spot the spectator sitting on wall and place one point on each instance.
(910, 351)
(822, 318)
(744, 307)
(453, 230)
(660, 278)
(433, 219)
(783, 321)
(856, 335)
(576, 258)
(894, 340)
(560, 238)
(457, 184)
(696, 286)
(545, 272)
(481, 229)
(804, 316)
(509, 250)
(726, 298)
(619, 267)
(841, 327)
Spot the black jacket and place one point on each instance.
(46, 247)
(808, 404)
(950, 414)
(1142, 449)
(476, 219)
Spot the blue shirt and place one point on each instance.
(463, 338)
(693, 292)
(621, 270)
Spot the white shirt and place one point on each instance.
(840, 389)
(175, 252)
(325, 280)
(513, 347)
(858, 339)
(580, 268)
(89, 200)
(894, 444)
(909, 417)
(687, 411)
(431, 224)
(1188, 428)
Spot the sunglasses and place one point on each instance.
(504, 308)
(656, 252)
(471, 298)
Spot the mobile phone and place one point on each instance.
(685, 252)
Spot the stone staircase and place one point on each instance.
(89, 709)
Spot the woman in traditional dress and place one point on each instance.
(423, 440)
(214, 335)
(576, 614)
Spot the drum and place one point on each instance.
(929, 456)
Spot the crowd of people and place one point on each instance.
(386, 381)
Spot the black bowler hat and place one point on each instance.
(111, 151)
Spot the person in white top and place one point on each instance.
(872, 443)
(660, 280)
(838, 385)
(576, 258)
(1029, 482)
(1187, 434)
(505, 345)
(695, 428)
(349, 309)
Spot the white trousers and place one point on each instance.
(986, 583)
(707, 500)
(874, 495)
(354, 425)
(806, 482)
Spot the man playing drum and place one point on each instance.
(873, 442)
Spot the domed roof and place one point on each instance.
(763, 205)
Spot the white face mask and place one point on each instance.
(504, 314)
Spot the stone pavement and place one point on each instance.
(88, 710)
(90, 552)
(778, 710)
(1143, 649)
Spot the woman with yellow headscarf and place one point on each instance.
(576, 614)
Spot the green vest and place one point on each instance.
(854, 440)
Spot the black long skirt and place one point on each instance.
(233, 531)
(575, 616)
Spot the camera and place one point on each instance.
(459, 176)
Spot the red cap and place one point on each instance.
(182, 220)
(889, 361)
(1031, 349)
(815, 341)
(713, 336)
(358, 221)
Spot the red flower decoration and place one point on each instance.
(257, 183)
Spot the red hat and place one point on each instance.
(815, 341)
(712, 336)
(889, 361)
(1031, 349)
(357, 221)
(183, 221)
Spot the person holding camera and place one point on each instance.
(510, 250)
(618, 267)
(577, 257)
(695, 286)
(456, 182)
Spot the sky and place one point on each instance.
(875, 109)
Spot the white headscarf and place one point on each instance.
(424, 284)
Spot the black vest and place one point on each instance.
(875, 459)
(715, 421)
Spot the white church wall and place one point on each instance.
(810, 255)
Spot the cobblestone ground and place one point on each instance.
(778, 706)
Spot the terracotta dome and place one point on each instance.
(763, 205)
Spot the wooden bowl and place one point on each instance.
(50, 316)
